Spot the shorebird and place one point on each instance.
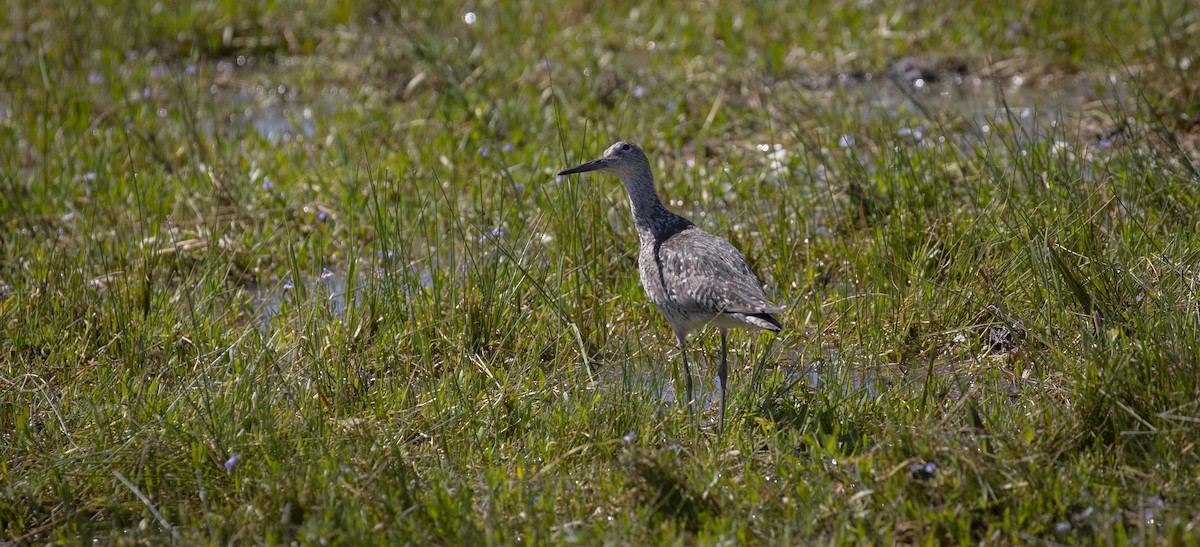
(693, 277)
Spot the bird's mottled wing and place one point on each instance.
(703, 272)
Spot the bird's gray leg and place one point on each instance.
(687, 372)
(723, 375)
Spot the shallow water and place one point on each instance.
(275, 125)
(327, 291)
(827, 372)
(246, 99)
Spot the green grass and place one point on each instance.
(284, 272)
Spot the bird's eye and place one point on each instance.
(626, 147)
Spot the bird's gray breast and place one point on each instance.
(650, 265)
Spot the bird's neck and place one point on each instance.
(649, 214)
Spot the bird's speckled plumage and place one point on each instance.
(696, 278)
(693, 277)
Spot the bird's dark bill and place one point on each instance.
(589, 166)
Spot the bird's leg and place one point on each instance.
(687, 372)
(722, 375)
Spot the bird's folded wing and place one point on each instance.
(706, 273)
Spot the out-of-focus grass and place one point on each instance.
(292, 272)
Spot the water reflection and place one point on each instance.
(275, 125)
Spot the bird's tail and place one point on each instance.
(761, 320)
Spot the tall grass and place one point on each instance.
(290, 272)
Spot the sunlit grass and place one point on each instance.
(304, 273)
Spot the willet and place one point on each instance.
(692, 276)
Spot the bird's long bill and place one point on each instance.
(584, 168)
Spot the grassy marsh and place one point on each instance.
(285, 272)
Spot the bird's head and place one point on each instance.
(621, 159)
